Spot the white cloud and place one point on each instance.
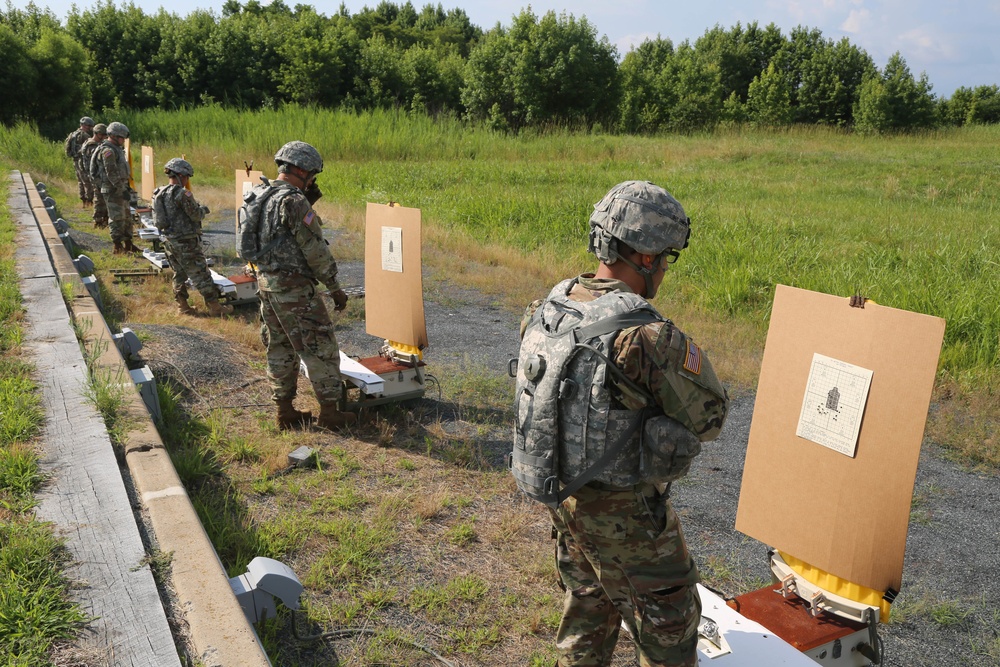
(927, 46)
(627, 42)
(855, 21)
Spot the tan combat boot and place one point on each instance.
(183, 307)
(332, 418)
(290, 418)
(215, 309)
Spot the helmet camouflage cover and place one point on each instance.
(116, 129)
(87, 120)
(179, 166)
(100, 128)
(641, 215)
(300, 154)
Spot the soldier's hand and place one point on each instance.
(313, 193)
(204, 210)
(339, 299)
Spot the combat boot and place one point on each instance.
(128, 246)
(118, 248)
(290, 418)
(183, 307)
(331, 417)
(216, 309)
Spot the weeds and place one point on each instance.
(35, 611)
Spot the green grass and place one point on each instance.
(35, 612)
(908, 221)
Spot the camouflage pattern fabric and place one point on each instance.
(113, 172)
(176, 213)
(295, 324)
(100, 209)
(621, 556)
(83, 165)
(73, 145)
(302, 253)
(187, 258)
(294, 320)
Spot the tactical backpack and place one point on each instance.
(562, 398)
(96, 166)
(249, 222)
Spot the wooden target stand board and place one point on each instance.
(839, 512)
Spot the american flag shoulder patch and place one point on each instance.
(309, 218)
(692, 361)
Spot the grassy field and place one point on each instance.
(908, 221)
(406, 534)
(35, 612)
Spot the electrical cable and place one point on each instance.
(354, 632)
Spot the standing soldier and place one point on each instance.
(613, 402)
(111, 167)
(87, 154)
(292, 258)
(74, 143)
(178, 216)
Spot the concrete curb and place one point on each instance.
(218, 628)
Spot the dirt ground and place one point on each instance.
(947, 614)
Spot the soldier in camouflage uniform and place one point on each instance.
(294, 320)
(87, 155)
(112, 169)
(620, 553)
(178, 215)
(73, 145)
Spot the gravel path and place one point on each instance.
(953, 548)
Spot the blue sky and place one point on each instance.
(955, 42)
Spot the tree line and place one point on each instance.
(538, 71)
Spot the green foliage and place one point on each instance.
(830, 81)
(540, 72)
(980, 105)
(59, 86)
(769, 100)
(17, 76)
(895, 101)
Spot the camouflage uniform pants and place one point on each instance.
(187, 259)
(83, 179)
(295, 324)
(120, 214)
(100, 209)
(621, 556)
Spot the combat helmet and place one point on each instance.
(100, 128)
(179, 166)
(646, 218)
(116, 129)
(87, 120)
(300, 154)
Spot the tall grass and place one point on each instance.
(909, 221)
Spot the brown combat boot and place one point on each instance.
(183, 307)
(216, 309)
(331, 417)
(289, 418)
(128, 246)
(119, 250)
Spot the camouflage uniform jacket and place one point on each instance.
(112, 166)
(75, 141)
(662, 361)
(302, 257)
(87, 152)
(176, 213)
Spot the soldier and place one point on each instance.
(619, 399)
(87, 156)
(110, 165)
(178, 216)
(73, 144)
(293, 260)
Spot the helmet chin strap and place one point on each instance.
(647, 274)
